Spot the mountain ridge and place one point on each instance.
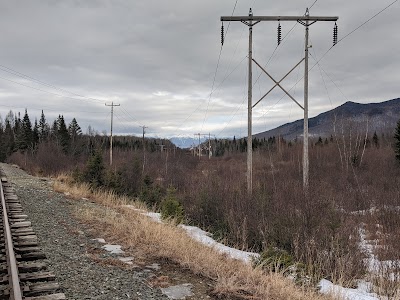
(380, 117)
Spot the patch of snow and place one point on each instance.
(133, 207)
(178, 291)
(128, 260)
(113, 249)
(100, 240)
(155, 216)
(206, 239)
(361, 293)
(372, 262)
(154, 266)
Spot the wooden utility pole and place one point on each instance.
(250, 109)
(111, 137)
(144, 148)
(306, 163)
(250, 20)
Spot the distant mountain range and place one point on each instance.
(381, 117)
(186, 142)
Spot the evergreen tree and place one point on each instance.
(25, 134)
(17, 131)
(44, 128)
(62, 134)
(74, 130)
(54, 130)
(94, 171)
(35, 133)
(319, 142)
(397, 141)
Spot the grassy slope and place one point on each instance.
(133, 230)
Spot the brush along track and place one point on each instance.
(23, 273)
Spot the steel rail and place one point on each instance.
(15, 293)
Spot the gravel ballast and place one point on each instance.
(66, 242)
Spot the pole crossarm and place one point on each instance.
(278, 18)
(278, 83)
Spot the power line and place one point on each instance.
(38, 89)
(51, 109)
(354, 30)
(374, 16)
(32, 79)
(22, 75)
(330, 78)
(216, 69)
(130, 116)
(312, 4)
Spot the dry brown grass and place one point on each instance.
(136, 231)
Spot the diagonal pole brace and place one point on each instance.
(278, 83)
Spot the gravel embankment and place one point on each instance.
(66, 242)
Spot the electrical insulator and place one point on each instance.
(279, 34)
(222, 34)
(335, 34)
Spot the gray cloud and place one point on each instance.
(158, 58)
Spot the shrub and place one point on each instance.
(171, 208)
(151, 194)
(280, 261)
(275, 259)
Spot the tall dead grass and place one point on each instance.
(135, 231)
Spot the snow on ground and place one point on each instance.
(373, 263)
(113, 249)
(206, 239)
(326, 287)
(178, 291)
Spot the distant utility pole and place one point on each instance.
(144, 148)
(250, 21)
(209, 143)
(111, 138)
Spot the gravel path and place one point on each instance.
(66, 242)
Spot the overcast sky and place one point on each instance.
(158, 58)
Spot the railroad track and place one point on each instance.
(23, 273)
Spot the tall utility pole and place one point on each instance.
(306, 163)
(250, 20)
(111, 137)
(144, 148)
(250, 109)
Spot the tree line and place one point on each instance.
(19, 134)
